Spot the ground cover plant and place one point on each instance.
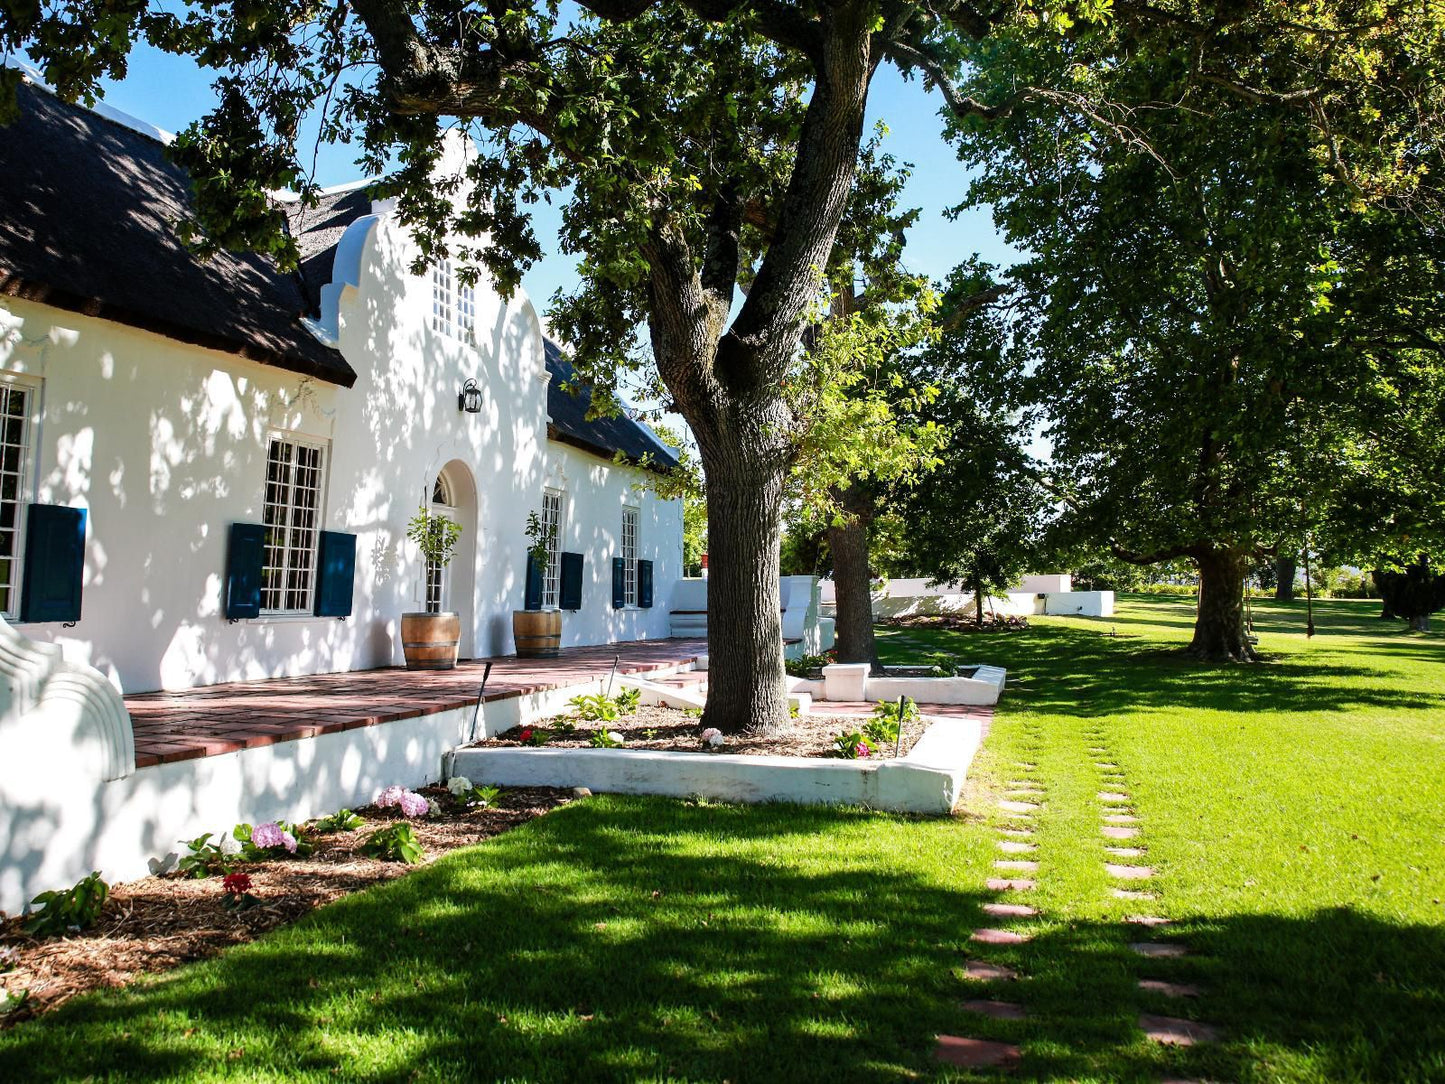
(1292, 813)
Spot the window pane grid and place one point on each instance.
(291, 517)
(552, 525)
(14, 454)
(466, 313)
(629, 556)
(441, 297)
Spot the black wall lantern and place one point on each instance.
(470, 398)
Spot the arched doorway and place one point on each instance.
(454, 495)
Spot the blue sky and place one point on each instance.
(170, 92)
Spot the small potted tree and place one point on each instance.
(430, 639)
(537, 631)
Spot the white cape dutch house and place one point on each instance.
(207, 468)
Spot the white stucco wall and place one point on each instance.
(165, 444)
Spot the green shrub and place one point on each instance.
(604, 739)
(75, 908)
(804, 665)
(343, 820)
(628, 699)
(852, 745)
(594, 707)
(394, 843)
(204, 859)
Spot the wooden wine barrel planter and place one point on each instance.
(430, 641)
(538, 633)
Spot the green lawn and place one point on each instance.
(1293, 812)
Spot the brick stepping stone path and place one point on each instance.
(1169, 989)
(1112, 796)
(998, 1010)
(1009, 884)
(983, 971)
(1147, 920)
(1022, 865)
(1010, 910)
(1131, 894)
(992, 936)
(1118, 831)
(1014, 846)
(1176, 1032)
(1128, 873)
(1121, 818)
(976, 1053)
(1125, 852)
(1016, 831)
(1017, 807)
(1157, 949)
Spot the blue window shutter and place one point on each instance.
(336, 573)
(619, 590)
(569, 592)
(54, 563)
(644, 584)
(533, 600)
(245, 556)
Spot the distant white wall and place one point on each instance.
(165, 444)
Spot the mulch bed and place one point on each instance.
(678, 731)
(157, 923)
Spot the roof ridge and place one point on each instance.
(102, 109)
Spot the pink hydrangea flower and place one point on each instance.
(412, 804)
(389, 797)
(863, 750)
(271, 834)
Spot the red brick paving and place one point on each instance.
(998, 937)
(1169, 989)
(218, 719)
(1010, 910)
(1176, 1032)
(997, 1010)
(983, 971)
(1009, 884)
(976, 1053)
(1158, 949)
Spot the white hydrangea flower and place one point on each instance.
(615, 736)
(459, 785)
(433, 809)
(716, 740)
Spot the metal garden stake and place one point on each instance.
(478, 709)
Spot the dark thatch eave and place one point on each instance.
(568, 422)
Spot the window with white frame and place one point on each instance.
(17, 407)
(453, 304)
(629, 556)
(436, 573)
(295, 477)
(552, 528)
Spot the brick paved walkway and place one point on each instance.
(220, 719)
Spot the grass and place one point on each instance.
(1293, 812)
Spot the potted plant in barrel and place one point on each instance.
(537, 631)
(430, 638)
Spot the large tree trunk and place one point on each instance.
(1284, 567)
(852, 581)
(1219, 633)
(1420, 623)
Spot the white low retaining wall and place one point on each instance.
(849, 681)
(928, 780)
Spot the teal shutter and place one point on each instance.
(644, 584)
(54, 563)
(245, 557)
(619, 589)
(569, 591)
(335, 574)
(533, 600)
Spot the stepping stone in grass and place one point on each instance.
(1162, 950)
(1010, 910)
(1176, 1032)
(1121, 818)
(1124, 852)
(1017, 807)
(1025, 793)
(1013, 846)
(983, 971)
(1023, 865)
(1147, 920)
(1114, 831)
(1016, 831)
(1099, 751)
(1112, 796)
(1129, 894)
(975, 1053)
(998, 937)
(1009, 884)
(1026, 784)
(1168, 989)
(998, 1010)
(1128, 873)
(1104, 765)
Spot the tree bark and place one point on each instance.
(1284, 567)
(1420, 623)
(852, 581)
(978, 603)
(1219, 633)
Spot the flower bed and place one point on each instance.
(157, 923)
(675, 730)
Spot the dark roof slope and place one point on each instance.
(318, 230)
(567, 413)
(88, 209)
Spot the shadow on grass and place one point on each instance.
(1101, 666)
(627, 939)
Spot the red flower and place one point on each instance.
(236, 884)
(526, 734)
